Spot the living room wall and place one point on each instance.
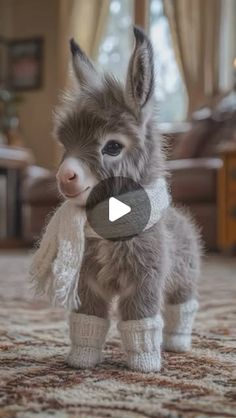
(29, 19)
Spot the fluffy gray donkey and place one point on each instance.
(109, 130)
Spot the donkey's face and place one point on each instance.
(106, 128)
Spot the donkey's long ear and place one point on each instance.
(140, 77)
(83, 68)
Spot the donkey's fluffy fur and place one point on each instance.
(158, 268)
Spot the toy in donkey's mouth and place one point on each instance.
(109, 130)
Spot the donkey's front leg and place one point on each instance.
(141, 328)
(88, 330)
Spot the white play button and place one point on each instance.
(117, 209)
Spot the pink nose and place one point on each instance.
(68, 181)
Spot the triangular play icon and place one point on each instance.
(117, 209)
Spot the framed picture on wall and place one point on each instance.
(25, 64)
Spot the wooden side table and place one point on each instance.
(227, 200)
(13, 161)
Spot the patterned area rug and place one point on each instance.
(35, 381)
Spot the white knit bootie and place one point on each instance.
(142, 340)
(87, 334)
(178, 320)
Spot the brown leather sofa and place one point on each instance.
(194, 185)
(193, 164)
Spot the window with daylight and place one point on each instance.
(170, 90)
(116, 47)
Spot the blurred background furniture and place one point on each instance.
(39, 196)
(227, 200)
(13, 163)
(194, 186)
(195, 163)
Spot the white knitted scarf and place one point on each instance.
(56, 264)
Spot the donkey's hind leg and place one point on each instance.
(179, 312)
(181, 287)
(178, 320)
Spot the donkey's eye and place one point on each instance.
(112, 148)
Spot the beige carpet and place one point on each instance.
(35, 382)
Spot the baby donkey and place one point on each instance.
(109, 130)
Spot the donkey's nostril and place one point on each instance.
(72, 177)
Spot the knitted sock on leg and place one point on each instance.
(178, 324)
(87, 334)
(142, 340)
